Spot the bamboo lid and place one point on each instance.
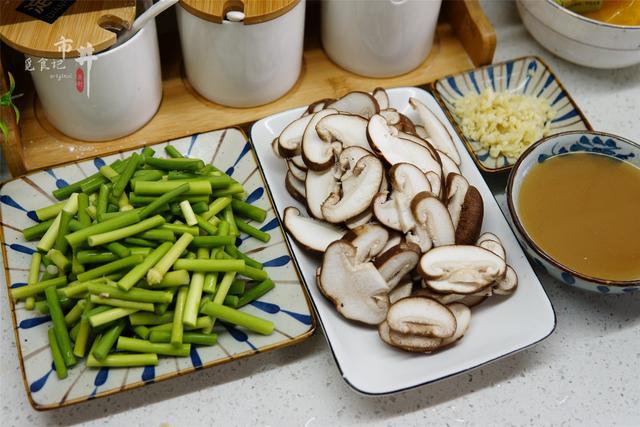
(79, 24)
(255, 11)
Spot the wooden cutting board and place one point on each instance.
(83, 22)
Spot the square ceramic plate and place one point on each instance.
(499, 326)
(529, 75)
(286, 305)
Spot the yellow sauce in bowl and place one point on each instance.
(583, 210)
(617, 12)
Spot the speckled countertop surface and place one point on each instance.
(586, 373)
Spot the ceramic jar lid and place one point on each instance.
(47, 27)
(255, 11)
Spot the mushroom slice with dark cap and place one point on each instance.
(508, 284)
(314, 107)
(466, 208)
(357, 289)
(318, 187)
(295, 187)
(369, 240)
(393, 149)
(317, 154)
(421, 132)
(291, 137)
(394, 209)
(430, 212)
(460, 269)
(358, 191)
(421, 316)
(397, 262)
(408, 342)
(358, 220)
(402, 290)
(360, 103)
(381, 97)
(300, 174)
(470, 300)
(438, 133)
(348, 129)
(312, 234)
(462, 313)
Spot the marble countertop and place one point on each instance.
(586, 373)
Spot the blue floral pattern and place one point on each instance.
(527, 75)
(595, 144)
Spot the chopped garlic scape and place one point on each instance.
(504, 122)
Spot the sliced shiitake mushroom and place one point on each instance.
(297, 160)
(460, 269)
(436, 183)
(413, 343)
(466, 209)
(463, 317)
(438, 133)
(394, 209)
(421, 132)
(493, 246)
(357, 289)
(398, 150)
(358, 220)
(310, 233)
(318, 187)
(295, 187)
(358, 191)
(360, 103)
(274, 147)
(395, 238)
(448, 165)
(368, 239)
(421, 316)
(402, 290)
(381, 98)
(391, 116)
(300, 174)
(397, 262)
(317, 154)
(291, 137)
(430, 212)
(508, 284)
(470, 300)
(349, 130)
(314, 107)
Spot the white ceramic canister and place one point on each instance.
(379, 38)
(242, 65)
(118, 95)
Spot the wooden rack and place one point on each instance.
(464, 39)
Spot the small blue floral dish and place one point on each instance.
(556, 145)
(528, 76)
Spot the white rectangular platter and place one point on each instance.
(499, 327)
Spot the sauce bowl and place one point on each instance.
(555, 145)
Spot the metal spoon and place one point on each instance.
(141, 20)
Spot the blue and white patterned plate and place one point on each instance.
(286, 306)
(528, 75)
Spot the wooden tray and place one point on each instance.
(464, 39)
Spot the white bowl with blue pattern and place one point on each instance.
(287, 305)
(530, 76)
(569, 142)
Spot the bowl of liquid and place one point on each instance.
(593, 33)
(574, 199)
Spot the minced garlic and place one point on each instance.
(504, 122)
